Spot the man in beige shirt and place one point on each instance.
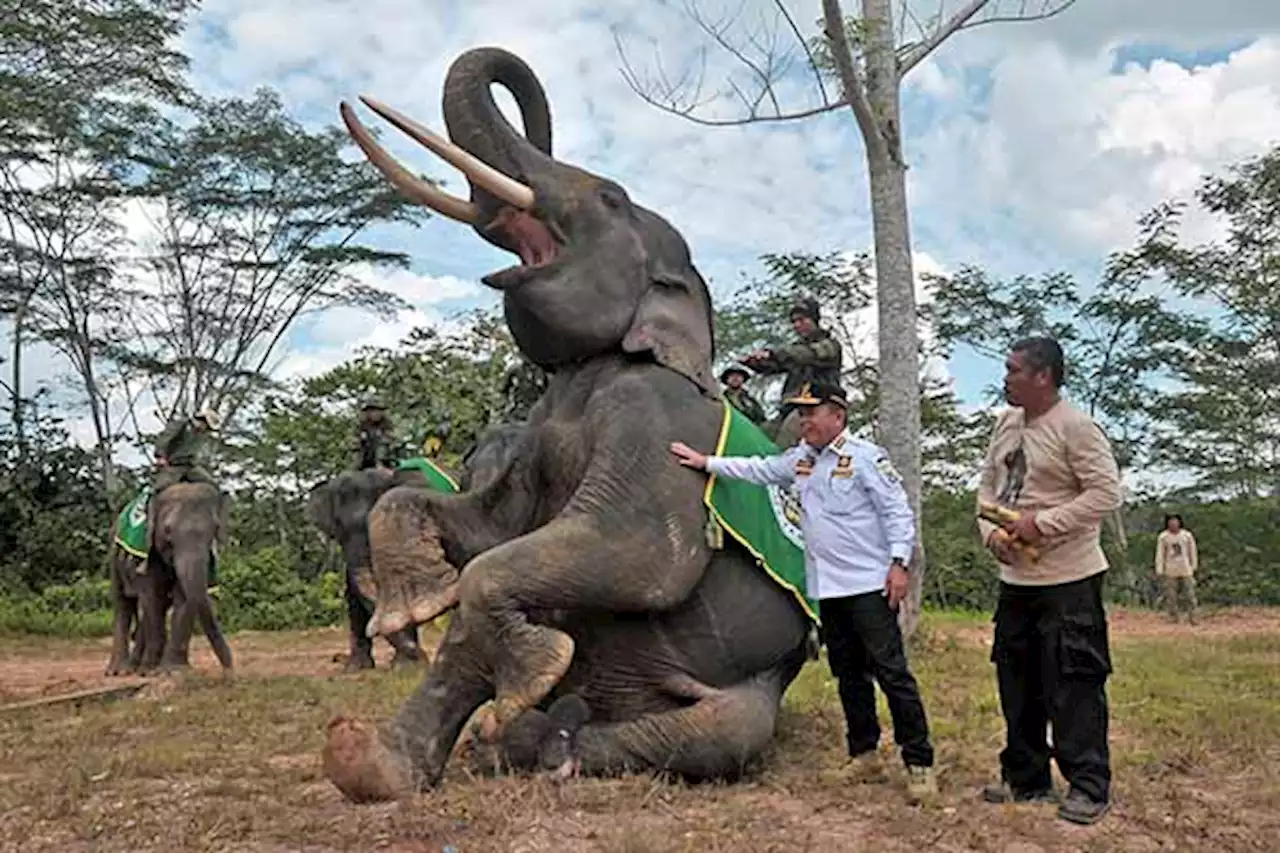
(1049, 464)
(1176, 562)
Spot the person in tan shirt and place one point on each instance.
(1176, 562)
(1049, 463)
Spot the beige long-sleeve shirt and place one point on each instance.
(1176, 555)
(1060, 465)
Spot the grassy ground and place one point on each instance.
(206, 765)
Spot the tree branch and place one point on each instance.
(945, 30)
(855, 93)
(963, 20)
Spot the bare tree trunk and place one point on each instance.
(898, 338)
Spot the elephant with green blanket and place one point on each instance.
(592, 607)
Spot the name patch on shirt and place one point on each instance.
(844, 467)
(804, 467)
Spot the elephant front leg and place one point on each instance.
(126, 612)
(370, 763)
(640, 565)
(360, 655)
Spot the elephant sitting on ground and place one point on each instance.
(185, 525)
(591, 608)
(340, 508)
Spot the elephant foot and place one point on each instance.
(116, 667)
(410, 656)
(538, 666)
(359, 765)
(357, 662)
(398, 612)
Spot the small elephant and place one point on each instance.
(591, 606)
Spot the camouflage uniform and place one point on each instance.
(375, 444)
(741, 399)
(814, 359)
(522, 387)
(181, 445)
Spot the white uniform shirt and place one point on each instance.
(855, 514)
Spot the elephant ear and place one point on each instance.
(673, 319)
(322, 509)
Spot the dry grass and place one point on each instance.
(208, 765)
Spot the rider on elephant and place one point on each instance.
(375, 445)
(735, 391)
(179, 448)
(815, 358)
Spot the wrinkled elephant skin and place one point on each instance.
(581, 567)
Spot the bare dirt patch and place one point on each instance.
(215, 766)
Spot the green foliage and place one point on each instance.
(261, 591)
(256, 592)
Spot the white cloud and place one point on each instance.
(1071, 154)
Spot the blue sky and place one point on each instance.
(1031, 147)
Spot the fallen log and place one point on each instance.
(115, 691)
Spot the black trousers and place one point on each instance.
(864, 646)
(1052, 658)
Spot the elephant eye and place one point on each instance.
(613, 197)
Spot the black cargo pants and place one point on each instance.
(864, 647)
(1052, 658)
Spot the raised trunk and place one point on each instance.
(899, 415)
(477, 124)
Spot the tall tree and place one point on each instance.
(77, 80)
(867, 56)
(255, 223)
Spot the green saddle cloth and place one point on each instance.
(763, 519)
(131, 530)
(436, 477)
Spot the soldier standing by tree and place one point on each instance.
(735, 379)
(814, 359)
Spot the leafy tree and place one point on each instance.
(1221, 420)
(78, 78)
(256, 221)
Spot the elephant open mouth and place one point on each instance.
(516, 228)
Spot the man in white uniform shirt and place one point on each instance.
(859, 532)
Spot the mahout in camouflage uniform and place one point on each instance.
(814, 359)
(375, 444)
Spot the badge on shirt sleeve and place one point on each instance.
(885, 466)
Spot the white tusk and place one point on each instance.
(412, 186)
(503, 186)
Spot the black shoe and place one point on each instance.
(1003, 792)
(1083, 809)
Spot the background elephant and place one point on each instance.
(186, 522)
(340, 508)
(590, 606)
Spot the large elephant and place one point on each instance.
(186, 523)
(591, 607)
